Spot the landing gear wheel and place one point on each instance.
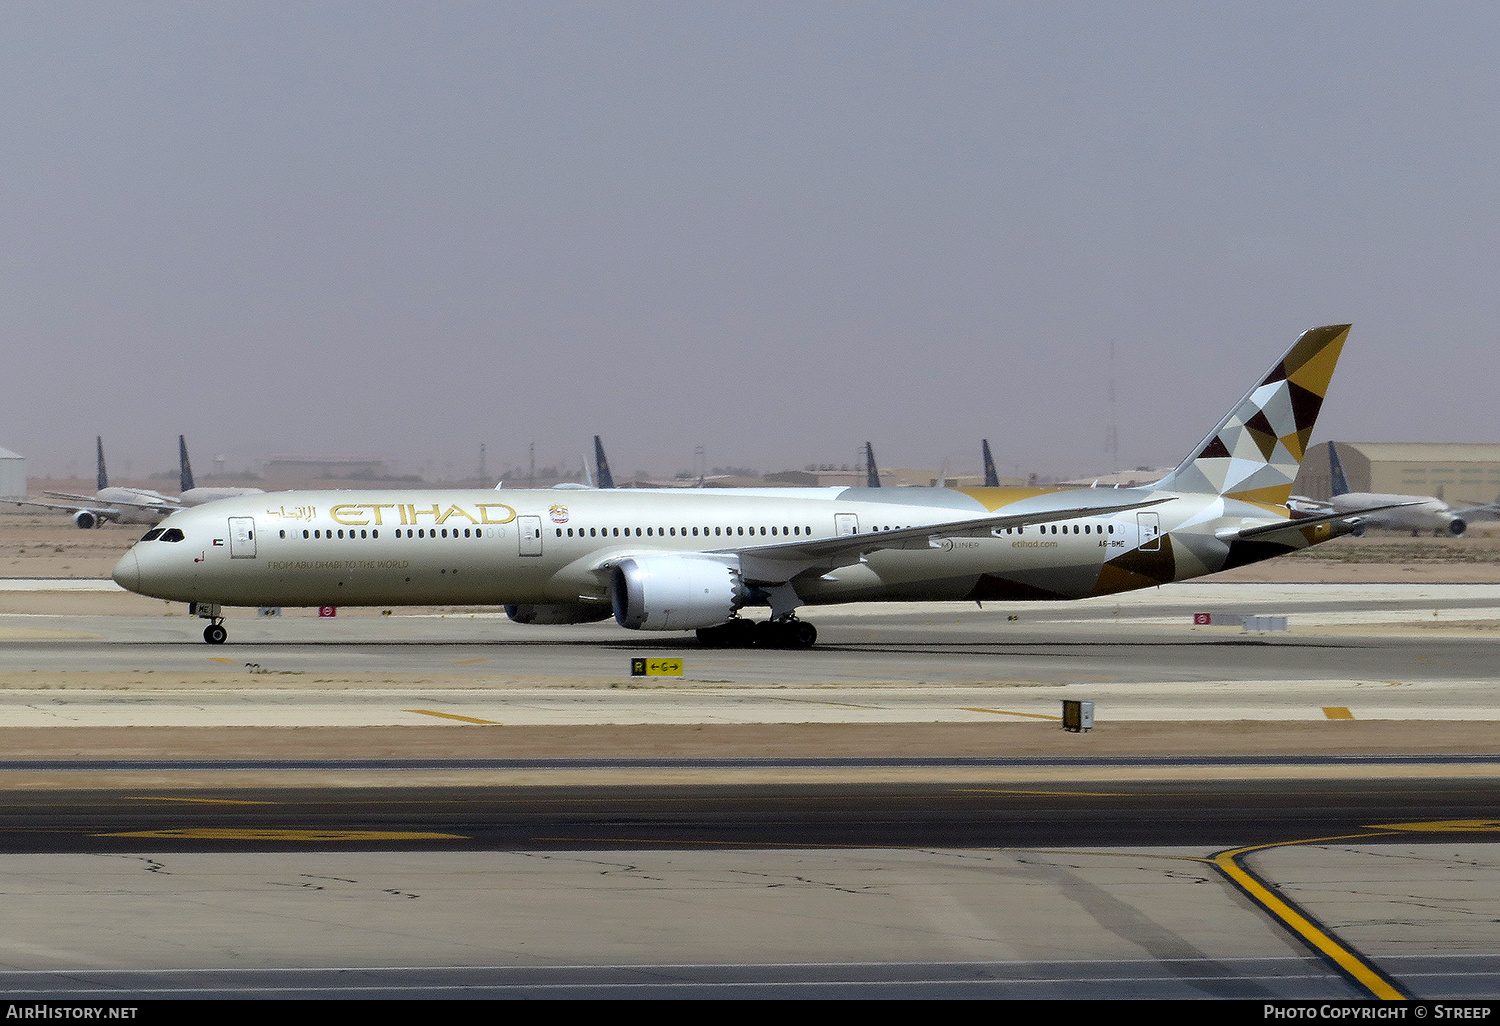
(801, 634)
(790, 633)
(769, 634)
(736, 633)
(714, 637)
(741, 633)
(215, 634)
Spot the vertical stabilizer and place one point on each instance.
(603, 477)
(1254, 453)
(991, 478)
(185, 477)
(1336, 471)
(103, 477)
(872, 473)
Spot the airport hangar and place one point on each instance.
(1456, 472)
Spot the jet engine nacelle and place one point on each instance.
(85, 520)
(575, 612)
(674, 593)
(1457, 526)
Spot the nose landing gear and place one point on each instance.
(214, 633)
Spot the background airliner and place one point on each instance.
(192, 495)
(696, 559)
(111, 504)
(1414, 513)
(121, 505)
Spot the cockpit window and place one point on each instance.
(171, 534)
(152, 534)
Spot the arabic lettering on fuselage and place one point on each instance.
(295, 513)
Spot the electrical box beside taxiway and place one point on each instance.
(1077, 716)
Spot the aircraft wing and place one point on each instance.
(72, 498)
(102, 512)
(91, 503)
(1302, 504)
(780, 562)
(1265, 531)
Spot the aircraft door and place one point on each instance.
(1150, 528)
(845, 523)
(241, 537)
(530, 533)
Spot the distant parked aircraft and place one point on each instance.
(991, 478)
(111, 504)
(195, 496)
(120, 505)
(1414, 513)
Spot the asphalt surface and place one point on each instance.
(1378, 879)
(1218, 813)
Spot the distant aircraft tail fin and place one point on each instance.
(603, 478)
(1336, 470)
(872, 473)
(186, 476)
(1256, 450)
(991, 478)
(103, 477)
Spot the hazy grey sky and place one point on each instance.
(773, 230)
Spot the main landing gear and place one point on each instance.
(215, 634)
(787, 632)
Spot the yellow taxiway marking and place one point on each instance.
(1440, 825)
(222, 659)
(1355, 967)
(1065, 794)
(1008, 712)
(1337, 712)
(471, 662)
(453, 716)
(198, 801)
(270, 834)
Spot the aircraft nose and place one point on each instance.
(127, 572)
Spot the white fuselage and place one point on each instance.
(199, 496)
(132, 505)
(1419, 515)
(513, 547)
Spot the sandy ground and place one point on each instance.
(797, 740)
(47, 546)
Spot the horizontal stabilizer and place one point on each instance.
(1264, 530)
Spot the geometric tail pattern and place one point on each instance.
(1254, 454)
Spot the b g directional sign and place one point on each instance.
(656, 667)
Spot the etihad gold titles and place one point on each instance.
(701, 559)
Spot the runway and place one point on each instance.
(1391, 653)
(780, 878)
(1046, 891)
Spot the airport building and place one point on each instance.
(12, 475)
(1456, 472)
